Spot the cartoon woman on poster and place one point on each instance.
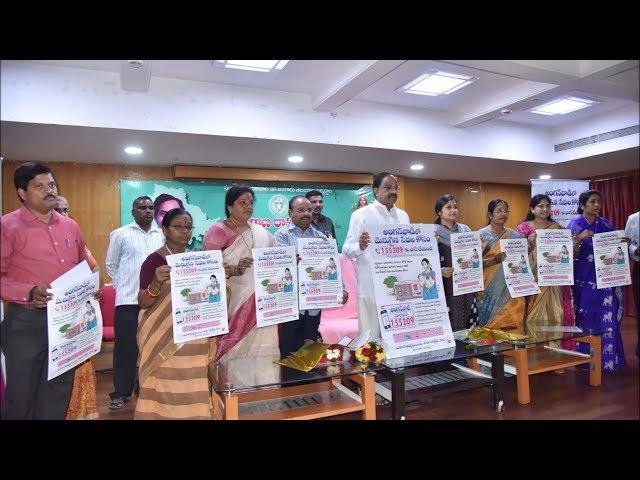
(332, 270)
(287, 281)
(427, 280)
(523, 265)
(619, 256)
(213, 289)
(475, 259)
(564, 254)
(90, 317)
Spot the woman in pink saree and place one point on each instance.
(235, 236)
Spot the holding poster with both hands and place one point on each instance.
(74, 322)
(516, 268)
(466, 263)
(611, 257)
(554, 251)
(408, 289)
(276, 285)
(198, 295)
(319, 275)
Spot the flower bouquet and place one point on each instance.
(369, 352)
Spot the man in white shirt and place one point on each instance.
(129, 246)
(381, 211)
(631, 231)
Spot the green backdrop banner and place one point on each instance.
(205, 202)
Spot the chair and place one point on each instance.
(108, 309)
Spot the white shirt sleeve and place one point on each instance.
(113, 254)
(631, 231)
(351, 246)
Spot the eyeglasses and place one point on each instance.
(499, 211)
(145, 207)
(182, 228)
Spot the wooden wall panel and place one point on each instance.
(421, 195)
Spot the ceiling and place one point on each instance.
(329, 85)
(104, 145)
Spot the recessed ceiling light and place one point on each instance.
(473, 189)
(131, 150)
(564, 105)
(253, 65)
(544, 177)
(295, 159)
(438, 83)
(505, 111)
(417, 166)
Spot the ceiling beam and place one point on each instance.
(346, 89)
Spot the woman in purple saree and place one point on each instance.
(597, 309)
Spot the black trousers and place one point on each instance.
(293, 334)
(125, 351)
(28, 394)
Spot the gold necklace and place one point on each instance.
(242, 233)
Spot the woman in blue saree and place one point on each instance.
(496, 308)
(598, 309)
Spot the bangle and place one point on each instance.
(151, 294)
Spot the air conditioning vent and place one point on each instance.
(601, 137)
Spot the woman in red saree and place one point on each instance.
(236, 237)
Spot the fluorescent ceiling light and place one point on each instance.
(253, 65)
(544, 177)
(562, 106)
(295, 159)
(438, 83)
(417, 166)
(133, 150)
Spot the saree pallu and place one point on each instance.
(83, 403)
(553, 306)
(496, 308)
(174, 381)
(597, 308)
(244, 338)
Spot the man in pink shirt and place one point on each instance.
(38, 245)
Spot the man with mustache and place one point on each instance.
(382, 211)
(292, 335)
(129, 246)
(38, 245)
(320, 222)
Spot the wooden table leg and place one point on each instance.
(522, 375)
(231, 407)
(368, 395)
(473, 363)
(595, 370)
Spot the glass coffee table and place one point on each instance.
(541, 351)
(440, 372)
(256, 388)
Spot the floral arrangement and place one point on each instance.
(333, 354)
(369, 352)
